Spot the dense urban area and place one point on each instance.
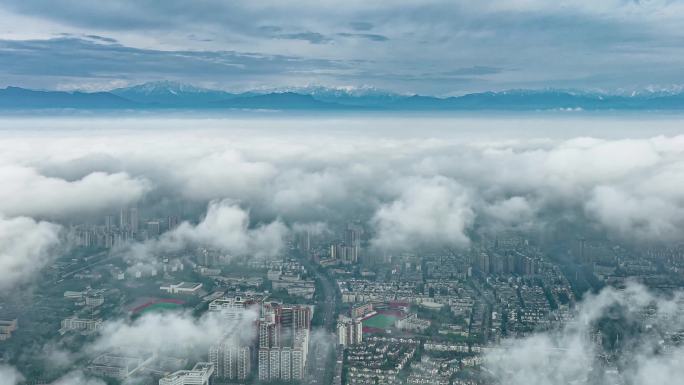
(329, 310)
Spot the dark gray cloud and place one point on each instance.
(580, 43)
(87, 59)
(101, 38)
(369, 36)
(476, 70)
(311, 37)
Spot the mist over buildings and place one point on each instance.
(243, 194)
(247, 186)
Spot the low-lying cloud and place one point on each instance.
(27, 192)
(26, 246)
(258, 178)
(225, 227)
(9, 375)
(574, 353)
(428, 212)
(171, 332)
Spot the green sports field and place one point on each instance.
(159, 307)
(380, 321)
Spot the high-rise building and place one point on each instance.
(153, 228)
(304, 242)
(349, 331)
(232, 359)
(109, 222)
(123, 219)
(484, 262)
(172, 222)
(352, 239)
(133, 220)
(345, 252)
(283, 341)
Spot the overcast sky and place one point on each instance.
(416, 46)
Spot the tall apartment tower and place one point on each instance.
(133, 220)
(232, 360)
(109, 223)
(123, 219)
(283, 342)
(349, 331)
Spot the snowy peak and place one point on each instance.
(170, 94)
(167, 92)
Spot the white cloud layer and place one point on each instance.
(413, 182)
(9, 375)
(27, 192)
(429, 212)
(25, 248)
(225, 227)
(171, 332)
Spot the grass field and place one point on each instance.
(160, 306)
(380, 321)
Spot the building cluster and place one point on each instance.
(379, 360)
(433, 371)
(121, 364)
(407, 319)
(349, 331)
(233, 355)
(119, 229)
(7, 327)
(349, 250)
(364, 290)
(346, 249)
(411, 322)
(288, 276)
(283, 341)
(81, 325)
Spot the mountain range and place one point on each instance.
(167, 94)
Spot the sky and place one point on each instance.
(433, 47)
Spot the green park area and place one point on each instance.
(380, 321)
(160, 307)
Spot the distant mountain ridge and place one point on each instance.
(15, 97)
(168, 94)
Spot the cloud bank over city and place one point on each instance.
(412, 192)
(573, 354)
(176, 334)
(435, 47)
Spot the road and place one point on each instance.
(100, 257)
(321, 361)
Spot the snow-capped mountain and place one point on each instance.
(171, 93)
(167, 94)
